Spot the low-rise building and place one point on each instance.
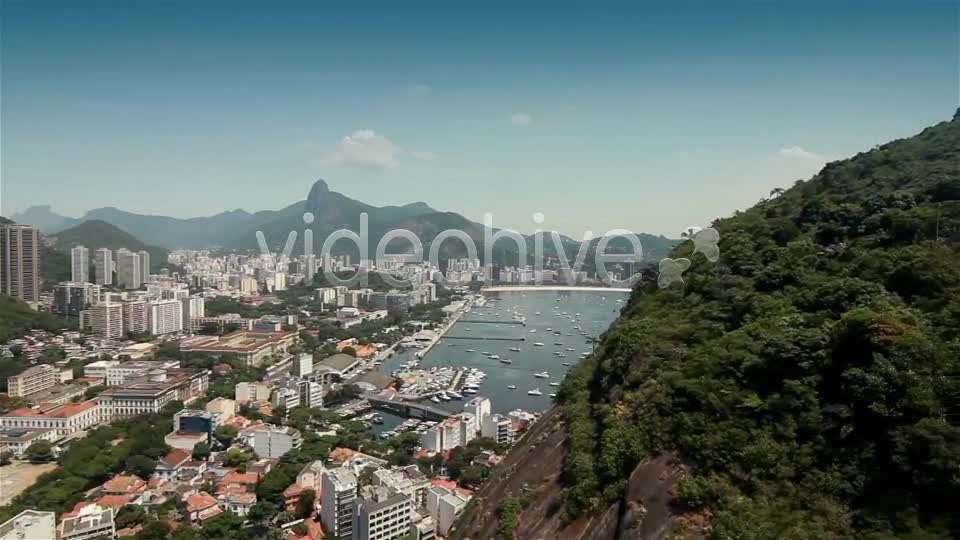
(91, 521)
(249, 346)
(150, 393)
(276, 441)
(32, 380)
(30, 525)
(64, 420)
(17, 440)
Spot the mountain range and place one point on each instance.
(236, 229)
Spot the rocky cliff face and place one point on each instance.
(532, 472)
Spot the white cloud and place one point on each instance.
(521, 119)
(365, 148)
(423, 156)
(798, 152)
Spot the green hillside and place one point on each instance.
(95, 234)
(810, 376)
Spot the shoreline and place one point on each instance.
(506, 288)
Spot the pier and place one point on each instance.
(408, 409)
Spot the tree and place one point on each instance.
(129, 516)
(305, 505)
(40, 452)
(154, 530)
(236, 457)
(348, 350)
(201, 451)
(141, 466)
(93, 391)
(5, 457)
(225, 435)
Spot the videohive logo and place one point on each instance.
(705, 241)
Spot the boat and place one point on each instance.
(542, 375)
(561, 355)
(534, 392)
(485, 353)
(554, 384)
(494, 356)
(557, 343)
(435, 399)
(553, 395)
(467, 329)
(566, 364)
(538, 344)
(571, 349)
(506, 361)
(454, 395)
(511, 386)
(515, 349)
(533, 331)
(549, 329)
(469, 391)
(471, 350)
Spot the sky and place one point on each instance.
(598, 115)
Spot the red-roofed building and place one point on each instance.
(124, 484)
(116, 501)
(202, 506)
(291, 497)
(65, 420)
(314, 531)
(170, 464)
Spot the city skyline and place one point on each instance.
(680, 116)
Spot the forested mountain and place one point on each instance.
(805, 386)
(95, 234)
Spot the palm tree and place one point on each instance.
(776, 192)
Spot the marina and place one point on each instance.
(509, 371)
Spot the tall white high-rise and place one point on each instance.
(193, 307)
(128, 269)
(135, 316)
(144, 266)
(79, 264)
(338, 491)
(165, 317)
(106, 319)
(103, 267)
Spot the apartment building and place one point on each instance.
(79, 264)
(193, 308)
(103, 267)
(135, 316)
(129, 275)
(30, 525)
(72, 297)
(20, 262)
(246, 392)
(106, 320)
(381, 514)
(32, 380)
(165, 317)
(248, 346)
(144, 260)
(276, 441)
(337, 496)
(91, 521)
(118, 373)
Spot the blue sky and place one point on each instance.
(598, 115)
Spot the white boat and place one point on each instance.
(454, 395)
(485, 353)
(512, 386)
(467, 329)
(542, 375)
(471, 350)
(549, 329)
(566, 363)
(570, 349)
(554, 384)
(534, 392)
(515, 349)
(494, 356)
(534, 331)
(506, 361)
(553, 395)
(435, 399)
(538, 344)
(469, 391)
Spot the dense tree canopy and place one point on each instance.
(810, 376)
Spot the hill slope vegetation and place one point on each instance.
(807, 380)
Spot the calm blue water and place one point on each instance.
(596, 311)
